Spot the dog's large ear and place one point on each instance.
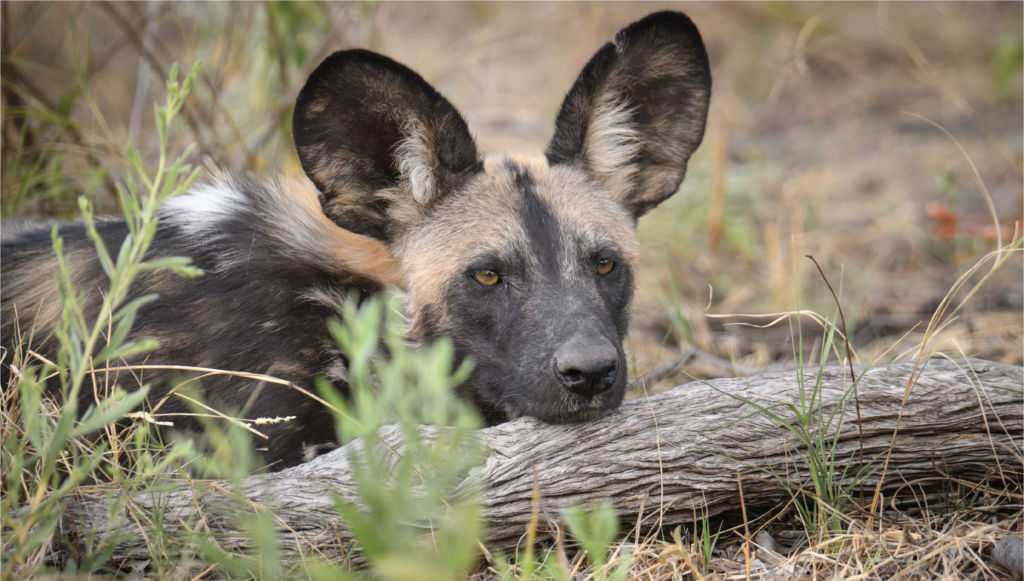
(637, 111)
(365, 126)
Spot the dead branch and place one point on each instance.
(660, 460)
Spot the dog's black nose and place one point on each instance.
(587, 366)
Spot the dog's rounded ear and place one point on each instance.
(637, 111)
(365, 126)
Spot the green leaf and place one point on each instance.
(372, 537)
(235, 566)
(67, 102)
(261, 528)
(595, 529)
(178, 264)
(1007, 62)
(190, 79)
(129, 350)
(326, 571)
(57, 440)
(110, 410)
(48, 524)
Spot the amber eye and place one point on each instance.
(487, 277)
(604, 266)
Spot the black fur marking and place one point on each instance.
(349, 119)
(616, 292)
(659, 70)
(541, 225)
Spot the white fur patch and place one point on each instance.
(15, 227)
(338, 371)
(416, 163)
(402, 325)
(612, 143)
(201, 208)
(329, 298)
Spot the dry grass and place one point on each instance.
(937, 529)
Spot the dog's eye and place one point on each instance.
(604, 266)
(487, 277)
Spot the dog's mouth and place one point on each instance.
(585, 411)
(570, 408)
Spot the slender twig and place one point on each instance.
(977, 179)
(746, 526)
(189, 110)
(664, 370)
(100, 62)
(853, 374)
(5, 35)
(13, 74)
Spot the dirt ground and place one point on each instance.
(825, 138)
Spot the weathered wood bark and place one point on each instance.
(673, 454)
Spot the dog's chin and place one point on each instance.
(570, 408)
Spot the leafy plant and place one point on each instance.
(408, 522)
(55, 450)
(595, 530)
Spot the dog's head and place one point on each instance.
(526, 263)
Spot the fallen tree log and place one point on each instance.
(669, 456)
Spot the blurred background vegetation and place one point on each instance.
(809, 150)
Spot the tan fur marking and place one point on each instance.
(317, 106)
(38, 305)
(352, 253)
(434, 250)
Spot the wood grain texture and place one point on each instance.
(665, 456)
